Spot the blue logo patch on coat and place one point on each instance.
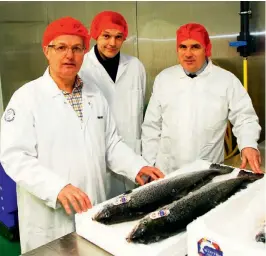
(10, 115)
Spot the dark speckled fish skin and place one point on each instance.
(157, 194)
(188, 208)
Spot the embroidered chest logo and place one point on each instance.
(10, 115)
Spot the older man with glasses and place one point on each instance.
(57, 136)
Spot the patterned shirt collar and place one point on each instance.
(77, 86)
(78, 83)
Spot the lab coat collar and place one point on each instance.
(87, 89)
(90, 89)
(50, 83)
(123, 61)
(205, 72)
(91, 55)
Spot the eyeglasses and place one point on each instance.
(63, 49)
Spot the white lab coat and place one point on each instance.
(186, 118)
(126, 101)
(44, 147)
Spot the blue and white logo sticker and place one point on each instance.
(121, 200)
(159, 214)
(10, 115)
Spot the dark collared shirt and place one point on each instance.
(192, 75)
(110, 64)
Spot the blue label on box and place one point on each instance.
(206, 247)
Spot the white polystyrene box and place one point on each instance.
(231, 227)
(112, 238)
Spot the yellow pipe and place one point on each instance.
(231, 154)
(245, 84)
(245, 73)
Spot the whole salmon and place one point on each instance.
(137, 203)
(174, 217)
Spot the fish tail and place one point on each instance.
(249, 175)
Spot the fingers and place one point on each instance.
(255, 166)
(68, 200)
(253, 158)
(152, 175)
(158, 173)
(151, 172)
(65, 204)
(139, 180)
(75, 203)
(244, 162)
(87, 201)
(260, 160)
(72, 196)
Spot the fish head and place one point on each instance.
(104, 215)
(140, 232)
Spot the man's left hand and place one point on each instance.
(251, 156)
(152, 173)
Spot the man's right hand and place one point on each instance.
(74, 196)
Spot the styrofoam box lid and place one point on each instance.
(112, 238)
(233, 224)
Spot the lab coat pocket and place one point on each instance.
(99, 130)
(214, 112)
(100, 123)
(100, 126)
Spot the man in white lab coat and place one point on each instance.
(57, 136)
(187, 115)
(122, 80)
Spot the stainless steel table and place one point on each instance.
(73, 244)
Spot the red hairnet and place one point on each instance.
(196, 32)
(66, 26)
(108, 20)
